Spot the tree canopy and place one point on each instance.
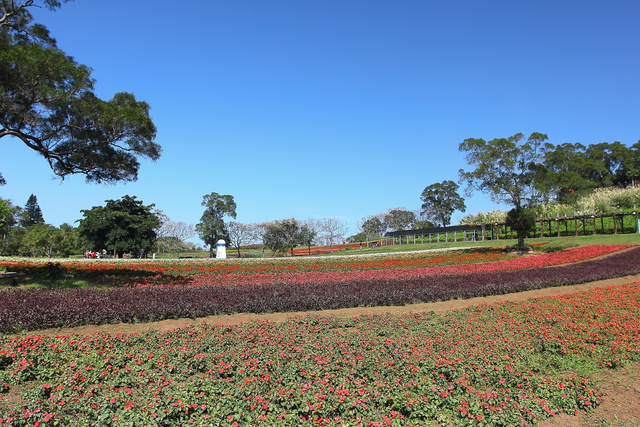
(122, 226)
(577, 169)
(440, 201)
(47, 101)
(373, 226)
(399, 219)
(285, 235)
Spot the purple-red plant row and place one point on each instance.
(37, 309)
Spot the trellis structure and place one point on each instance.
(455, 233)
(616, 223)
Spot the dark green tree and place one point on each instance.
(307, 234)
(47, 101)
(633, 165)
(399, 219)
(9, 218)
(440, 201)
(522, 221)
(66, 242)
(373, 226)
(39, 240)
(571, 171)
(211, 227)
(510, 170)
(283, 236)
(32, 214)
(121, 226)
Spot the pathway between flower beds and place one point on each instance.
(233, 319)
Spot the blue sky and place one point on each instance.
(336, 108)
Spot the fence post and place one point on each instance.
(594, 222)
(615, 226)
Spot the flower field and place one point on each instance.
(478, 366)
(167, 296)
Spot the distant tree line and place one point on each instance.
(23, 232)
(527, 173)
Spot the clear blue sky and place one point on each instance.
(336, 108)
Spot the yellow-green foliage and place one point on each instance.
(602, 200)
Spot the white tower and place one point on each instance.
(221, 249)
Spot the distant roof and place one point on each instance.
(434, 230)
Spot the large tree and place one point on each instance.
(123, 226)
(211, 227)
(399, 219)
(510, 171)
(440, 201)
(47, 101)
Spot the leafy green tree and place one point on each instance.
(121, 226)
(211, 227)
(307, 235)
(399, 219)
(510, 170)
(47, 101)
(66, 242)
(440, 201)
(39, 240)
(373, 226)
(32, 214)
(283, 236)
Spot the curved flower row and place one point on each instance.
(542, 260)
(470, 367)
(343, 263)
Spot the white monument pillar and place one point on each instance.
(221, 249)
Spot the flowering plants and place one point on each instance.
(58, 308)
(478, 366)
